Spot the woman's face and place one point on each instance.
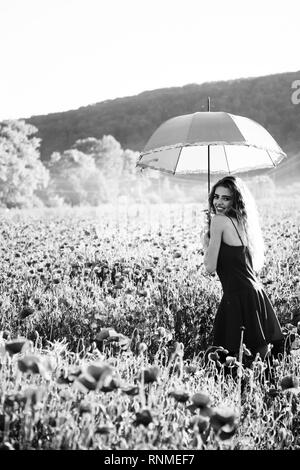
(222, 200)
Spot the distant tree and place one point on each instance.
(107, 153)
(116, 165)
(75, 177)
(128, 181)
(97, 170)
(88, 146)
(21, 170)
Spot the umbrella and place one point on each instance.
(212, 143)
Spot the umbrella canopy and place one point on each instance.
(210, 142)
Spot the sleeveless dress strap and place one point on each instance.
(236, 229)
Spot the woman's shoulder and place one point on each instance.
(219, 220)
(223, 218)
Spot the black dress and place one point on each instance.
(244, 303)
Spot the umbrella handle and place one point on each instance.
(208, 219)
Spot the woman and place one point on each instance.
(234, 248)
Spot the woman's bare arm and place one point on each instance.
(212, 251)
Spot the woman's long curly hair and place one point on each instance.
(245, 211)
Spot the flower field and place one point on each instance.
(106, 317)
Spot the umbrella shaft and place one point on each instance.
(208, 168)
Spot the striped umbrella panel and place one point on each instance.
(237, 144)
(223, 159)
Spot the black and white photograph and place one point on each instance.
(150, 228)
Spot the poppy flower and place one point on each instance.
(88, 382)
(150, 375)
(119, 338)
(104, 429)
(65, 380)
(26, 312)
(144, 417)
(30, 364)
(85, 408)
(15, 346)
(110, 384)
(221, 417)
(142, 293)
(179, 395)
(201, 400)
(105, 333)
(199, 422)
(289, 382)
(227, 431)
(131, 390)
(97, 370)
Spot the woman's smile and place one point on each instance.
(224, 196)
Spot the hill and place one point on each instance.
(131, 120)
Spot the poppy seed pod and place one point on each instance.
(161, 331)
(230, 361)
(246, 351)
(142, 347)
(214, 356)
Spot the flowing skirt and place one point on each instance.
(252, 309)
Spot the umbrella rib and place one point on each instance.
(271, 158)
(177, 160)
(226, 158)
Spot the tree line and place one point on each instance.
(92, 172)
(132, 120)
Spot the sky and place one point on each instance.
(58, 55)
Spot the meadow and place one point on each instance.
(106, 317)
